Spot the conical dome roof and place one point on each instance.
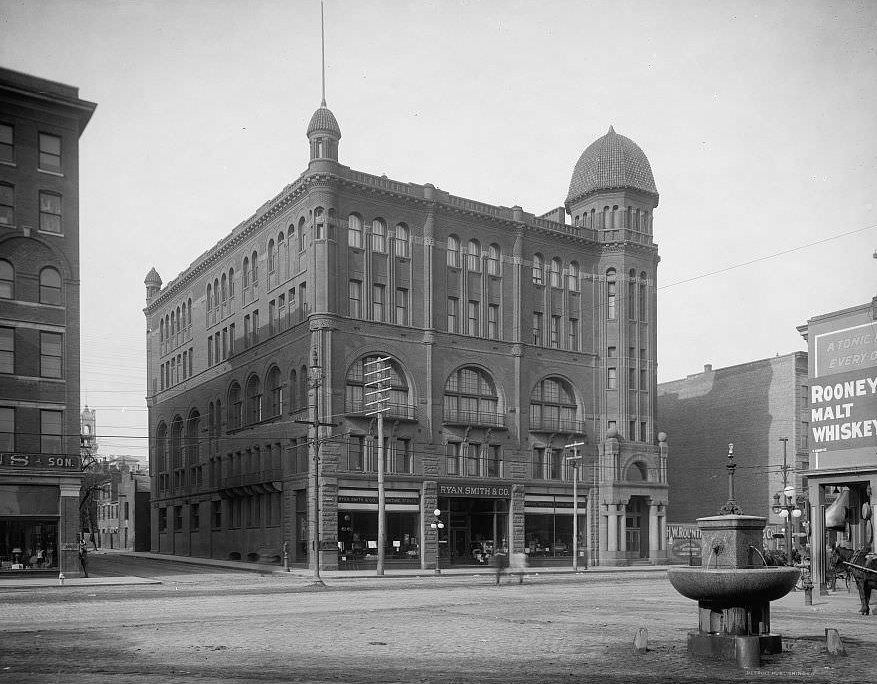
(610, 163)
(324, 120)
(152, 278)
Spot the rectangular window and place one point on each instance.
(50, 153)
(185, 364)
(612, 378)
(474, 316)
(50, 212)
(632, 431)
(610, 299)
(355, 453)
(272, 318)
(631, 378)
(194, 517)
(573, 334)
(493, 321)
(217, 514)
(162, 519)
(611, 352)
(452, 458)
(642, 302)
(50, 355)
(178, 518)
(378, 302)
(216, 348)
(555, 464)
(7, 350)
(255, 326)
(230, 340)
(281, 311)
(7, 428)
(537, 328)
(494, 461)
(644, 380)
(354, 299)
(293, 305)
(401, 306)
(453, 313)
(51, 432)
(303, 298)
(537, 466)
(7, 149)
(127, 510)
(555, 331)
(642, 431)
(402, 460)
(7, 205)
(247, 331)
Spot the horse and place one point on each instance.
(863, 568)
(837, 560)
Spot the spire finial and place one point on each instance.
(323, 51)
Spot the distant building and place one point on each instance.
(40, 125)
(507, 336)
(842, 475)
(123, 509)
(753, 405)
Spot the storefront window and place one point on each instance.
(28, 544)
(358, 536)
(550, 536)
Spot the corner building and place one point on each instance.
(40, 466)
(508, 336)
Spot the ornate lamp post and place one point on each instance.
(437, 525)
(575, 459)
(785, 505)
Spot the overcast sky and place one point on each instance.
(758, 119)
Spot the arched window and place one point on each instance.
(254, 272)
(161, 333)
(611, 293)
(643, 307)
(402, 247)
(637, 472)
(303, 386)
(50, 286)
(379, 236)
(354, 231)
(235, 407)
(396, 386)
(474, 257)
(7, 280)
(631, 295)
(302, 235)
(453, 251)
(223, 287)
(493, 260)
(553, 407)
(538, 270)
(319, 223)
(192, 443)
(209, 297)
(173, 325)
(282, 256)
(254, 400)
(470, 398)
(189, 312)
(161, 448)
(246, 271)
(275, 388)
(572, 276)
(272, 258)
(176, 464)
(231, 284)
(293, 391)
(556, 271)
(183, 317)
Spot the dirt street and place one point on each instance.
(247, 628)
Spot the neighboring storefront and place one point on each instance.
(842, 433)
(39, 513)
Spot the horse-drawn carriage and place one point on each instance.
(858, 564)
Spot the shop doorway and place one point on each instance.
(636, 528)
(476, 529)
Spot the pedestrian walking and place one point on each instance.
(500, 561)
(83, 557)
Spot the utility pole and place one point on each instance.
(315, 380)
(375, 374)
(576, 459)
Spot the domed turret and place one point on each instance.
(612, 162)
(152, 282)
(324, 134)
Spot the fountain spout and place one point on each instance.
(759, 553)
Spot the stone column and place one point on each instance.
(612, 534)
(654, 531)
(428, 536)
(622, 536)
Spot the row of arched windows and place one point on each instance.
(50, 284)
(472, 255)
(637, 295)
(629, 218)
(555, 272)
(378, 238)
(176, 326)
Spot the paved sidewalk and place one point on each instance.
(298, 571)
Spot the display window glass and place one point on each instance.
(28, 544)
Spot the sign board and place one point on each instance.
(475, 491)
(843, 397)
(39, 461)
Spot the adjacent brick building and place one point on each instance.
(753, 405)
(40, 125)
(507, 336)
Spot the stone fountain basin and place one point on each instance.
(734, 586)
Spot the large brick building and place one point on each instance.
(756, 406)
(40, 125)
(508, 336)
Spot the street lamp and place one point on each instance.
(437, 525)
(575, 459)
(788, 509)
